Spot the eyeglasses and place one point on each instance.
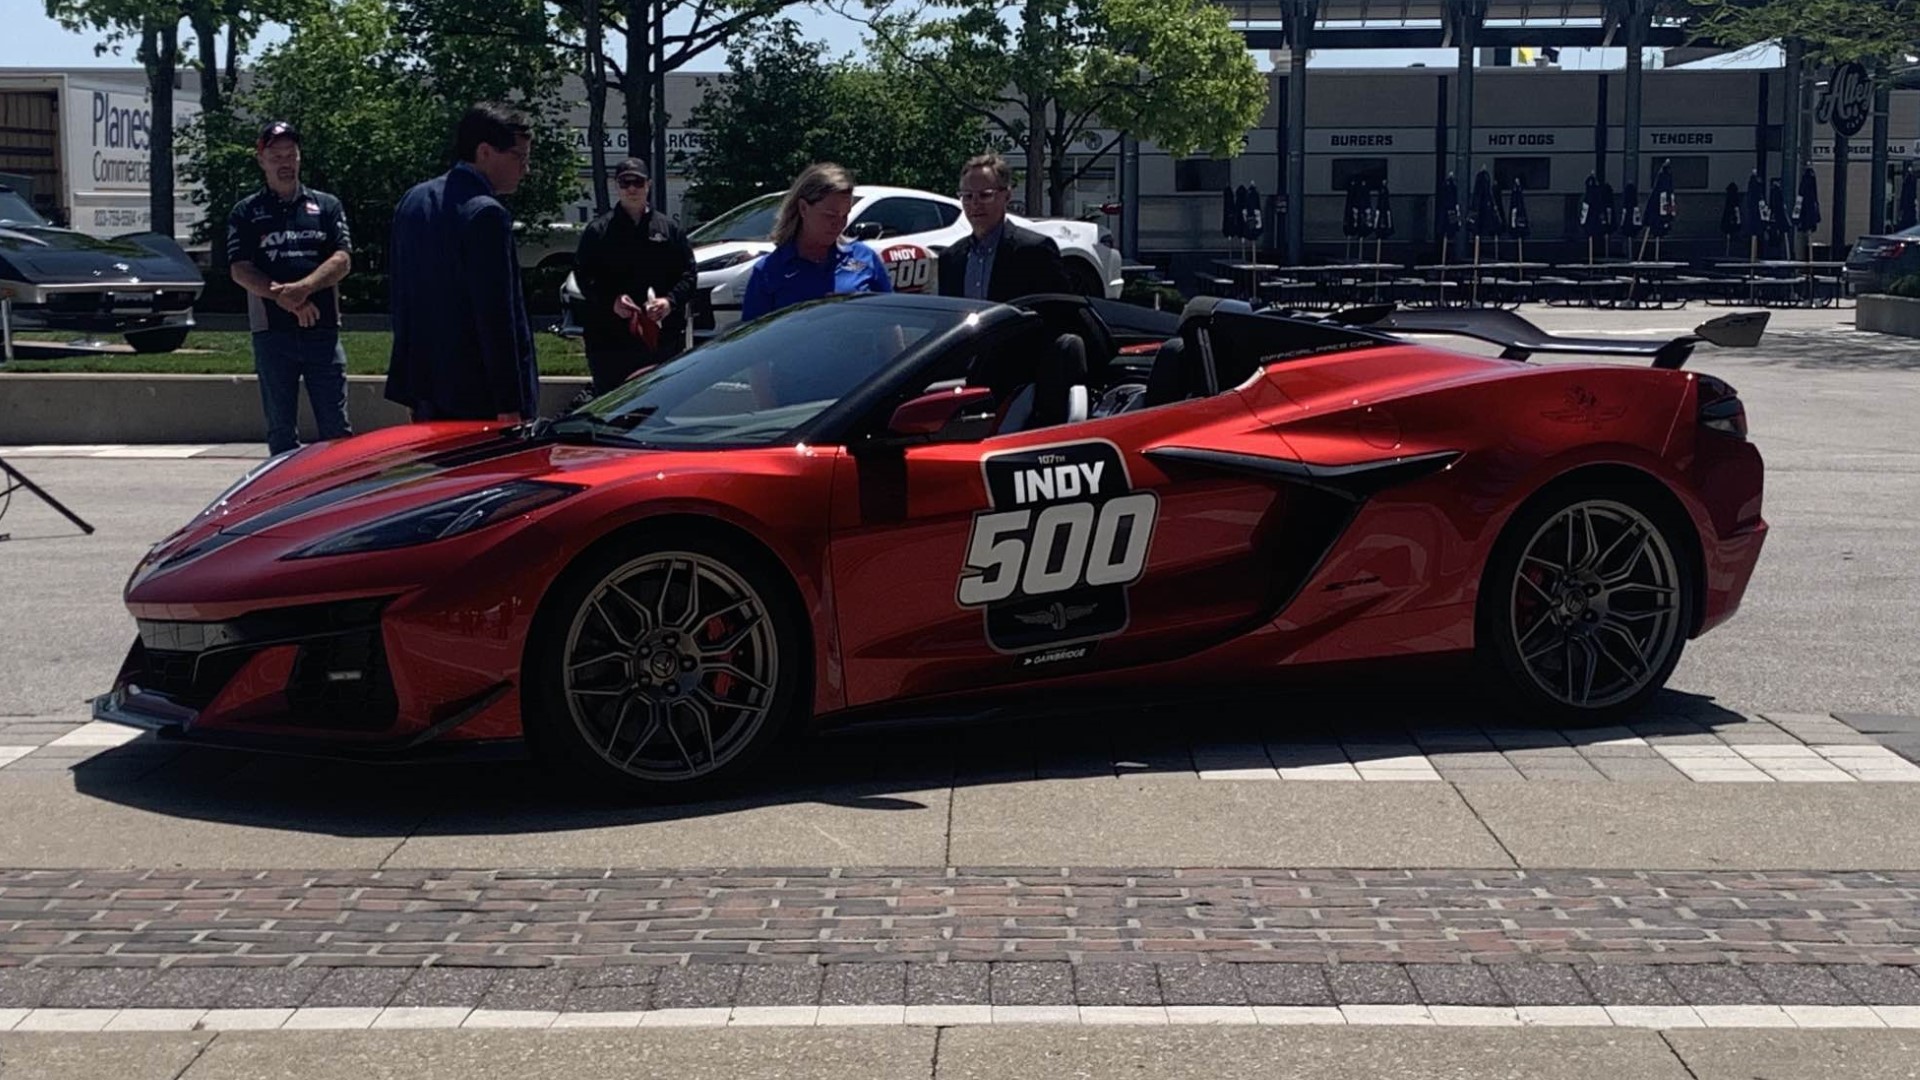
(630, 182)
(979, 196)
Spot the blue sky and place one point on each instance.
(39, 41)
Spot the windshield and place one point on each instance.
(763, 381)
(15, 208)
(751, 220)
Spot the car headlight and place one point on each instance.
(441, 520)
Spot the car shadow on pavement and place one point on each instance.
(1824, 351)
(899, 769)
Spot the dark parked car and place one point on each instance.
(142, 285)
(1876, 262)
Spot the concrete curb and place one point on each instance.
(1888, 314)
(64, 409)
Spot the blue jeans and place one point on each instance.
(281, 358)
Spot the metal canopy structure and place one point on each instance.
(1433, 24)
(1302, 26)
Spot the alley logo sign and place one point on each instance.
(1848, 101)
(1050, 563)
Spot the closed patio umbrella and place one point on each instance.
(1806, 205)
(1730, 215)
(1662, 209)
(1519, 222)
(1446, 217)
(1382, 216)
(1631, 217)
(1908, 214)
(1596, 210)
(1779, 225)
(1754, 213)
(1484, 220)
(1353, 220)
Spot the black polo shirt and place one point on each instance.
(287, 239)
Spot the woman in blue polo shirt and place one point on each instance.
(812, 258)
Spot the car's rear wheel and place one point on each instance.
(1586, 603)
(164, 339)
(666, 669)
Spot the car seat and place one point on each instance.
(1057, 393)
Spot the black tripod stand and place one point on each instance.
(15, 481)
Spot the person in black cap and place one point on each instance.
(634, 268)
(288, 246)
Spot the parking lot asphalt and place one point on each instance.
(1751, 845)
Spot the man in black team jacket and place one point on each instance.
(634, 268)
(1000, 261)
(288, 246)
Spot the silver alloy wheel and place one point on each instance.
(1595, 604)
(670, 666)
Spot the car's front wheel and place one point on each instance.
(1586, 603)
(164, 339)
(665, 669)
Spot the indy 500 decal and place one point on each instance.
(1051, 561)
(910, 266)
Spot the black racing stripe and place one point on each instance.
(1355, 482)
(409, 472)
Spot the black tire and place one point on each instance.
(1086, 281)
(1592, 646)
(163, 339)
(743, 662)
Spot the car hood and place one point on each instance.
(367, 488)
(331, 488)
(48, 256)
(707, 253)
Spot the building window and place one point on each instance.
(1534, 173)
(1202, 174)
(1689, 173)
(1366, 170)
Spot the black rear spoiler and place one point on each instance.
(1521, 339)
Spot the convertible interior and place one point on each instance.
(1083, 357)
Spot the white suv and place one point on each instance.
(907, 227)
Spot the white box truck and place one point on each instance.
(81, 144)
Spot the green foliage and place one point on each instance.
(1908, 286)
(376, 107)
(788, 105)
(1835, 31)
(1050, 73)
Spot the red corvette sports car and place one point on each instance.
(893, 505)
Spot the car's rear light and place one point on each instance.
(1892, 251)
(1721, 408)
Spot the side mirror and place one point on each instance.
(867, 230)
(939, 416)
(929, 414)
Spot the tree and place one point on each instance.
(1045, 75)
(156, 25)
(376, 108)
(787, 105)
(1833, 31)
(581, 31)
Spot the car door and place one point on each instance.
(979, 562)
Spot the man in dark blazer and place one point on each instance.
(1000, 261)
(462, 342)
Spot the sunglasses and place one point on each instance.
(630, 182)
